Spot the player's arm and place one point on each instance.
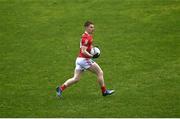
(85, 52)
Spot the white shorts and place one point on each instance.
(83, 63)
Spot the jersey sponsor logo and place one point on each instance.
(86, 42)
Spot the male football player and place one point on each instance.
(84, 62)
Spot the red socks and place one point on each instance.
(63, 87)
(103, 88)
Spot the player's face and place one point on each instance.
(90, 28)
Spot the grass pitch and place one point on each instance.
(139, 42)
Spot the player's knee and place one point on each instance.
(76, 79)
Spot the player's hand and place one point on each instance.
(96, 55)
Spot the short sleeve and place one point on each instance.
(84, 41)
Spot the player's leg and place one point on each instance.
(74, 79)
(95, 68)
(69, 82)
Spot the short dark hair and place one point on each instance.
(87, 23)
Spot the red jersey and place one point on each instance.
(86, 40)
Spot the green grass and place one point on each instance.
(140, 46)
